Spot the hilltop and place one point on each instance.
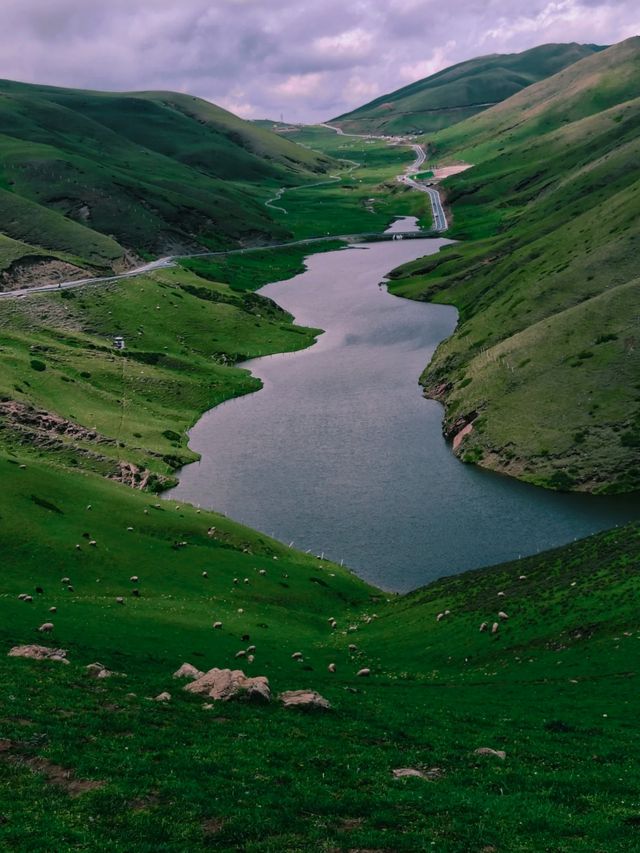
(461, 91)
(96, 181)
(544, 362)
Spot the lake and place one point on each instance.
(341, 454)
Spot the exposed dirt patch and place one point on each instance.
(43, 425)
(212, 826)
(34, 270)
(16, 753)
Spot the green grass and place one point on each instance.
(554, 689)
(461, 91)
(545, 280)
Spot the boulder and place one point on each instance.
(163, 697)
(35, 652)
(306, 700)
(188, 671)
(432, 774)
(225, 684)
(486, 750)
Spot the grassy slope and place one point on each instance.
(459, 92)
(545, 280)
(98, 176)
(554, 689)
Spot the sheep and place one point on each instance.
(77, 547)
(296, 656)
(352, 647)
(502, 615)
(129, 528)
(262, 572)
(250, 658)
(92, 542)
(236, 580)
(522, 578)
(495, 628)
(241, 654)
(251, 649)
(363, 673)
(501, 595)
(28, 598)
(120, 600)
(332, 667)
(246, 580)
(22, 596)
(240, 610)
(484, 626)
(447, 612)
(333, 624)
(53, 610)
(439, 617)
(70, 588)
(205, 574)
(65, 580)
(217, 625)
(134, 578)
(46, 628)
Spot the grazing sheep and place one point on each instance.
(240, 610)
(501, 595)
(331, 619)
(134, 578)
(53, 610)
(70, 588)
(93, 543)
(120, 600)
(65, 580)
(77, 547)
(129, 528)
(241, 654)
(28, 598)
(363, 673)
(439, 617)
(352, 647)
(484, 626)
(447, 612)
(236, 580)
(22, 596)
(522, 578)
(163, 697)
(495, 628)
(332, 667)
(297, 656)
(246, 580)
(46, 628)
(262, 572)
(502, 615)
(217, 624)
(251, 649)
(250, 658)
(205, 574)
(333, 624)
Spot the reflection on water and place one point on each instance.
(341, 453)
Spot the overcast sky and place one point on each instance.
(305, 59)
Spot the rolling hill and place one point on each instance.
(93, 180)
(544, 362)
(461, 91)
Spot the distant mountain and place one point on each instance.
(545, 361)
(91, 179)
(461, 91)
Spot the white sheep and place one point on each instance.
(65, 580)
(297, 656)
(217, 624)
(484, 626)
(53, 610)
(251, 649)
(363, 673)
(502, 615)
(120, 600)
(352, 647)
(241, 654)
(46, 628)
(495, 628)
(439, 617)
(332, 667)
(205, 574)
(134, 578)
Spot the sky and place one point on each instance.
(306, 60)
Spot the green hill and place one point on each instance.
(544, 361)
(94, 180)
(461, 91)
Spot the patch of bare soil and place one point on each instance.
(15, 753)
(34, 270)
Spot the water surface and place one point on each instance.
(340, 452)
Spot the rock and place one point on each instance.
(226, 684)
(104, 673)
(96, 670)
(306, 700)
(35, 652)
(486, 750)
(404, 772)
(163, 697)
(363, 673)
(188, 671)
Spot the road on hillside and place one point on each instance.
(439, 218)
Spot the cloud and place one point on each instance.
(308, 59)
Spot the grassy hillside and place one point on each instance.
(544, 362)
(461, 91)
(93, 180)
(553, 689)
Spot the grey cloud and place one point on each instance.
(307, 58)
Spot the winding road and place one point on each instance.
(439, 217)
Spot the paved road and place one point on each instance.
(440, 222)
(439, 217)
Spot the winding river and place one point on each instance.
(341, 454)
